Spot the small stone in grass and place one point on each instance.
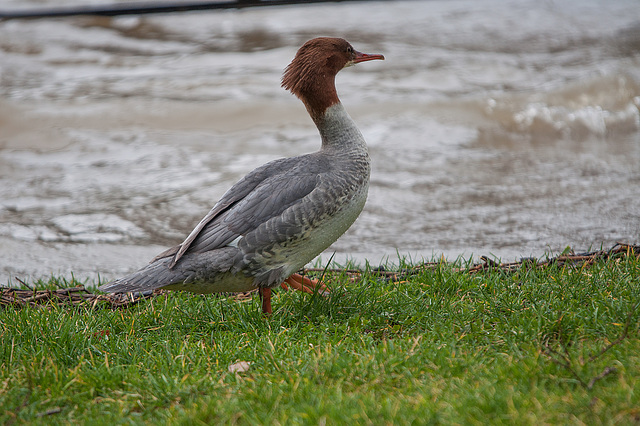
(239, 367)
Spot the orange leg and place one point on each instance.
(305, 284)
(265, 295)
(297, 282)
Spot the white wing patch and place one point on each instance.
(235, 242)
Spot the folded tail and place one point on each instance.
(196, 272)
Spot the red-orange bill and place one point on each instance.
(362, 57)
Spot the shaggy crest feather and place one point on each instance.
(311, 74)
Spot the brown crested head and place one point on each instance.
(311, 74)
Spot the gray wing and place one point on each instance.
(263, 194)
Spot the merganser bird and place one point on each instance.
(283, 214)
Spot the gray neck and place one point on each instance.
(339, 131)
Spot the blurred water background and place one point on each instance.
(504, 128)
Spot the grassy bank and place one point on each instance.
(556, 344)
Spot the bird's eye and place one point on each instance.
(349, 49)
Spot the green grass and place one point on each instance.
(443, 347)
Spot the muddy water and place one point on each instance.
(503, 128)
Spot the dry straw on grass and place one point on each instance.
(80, 296)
